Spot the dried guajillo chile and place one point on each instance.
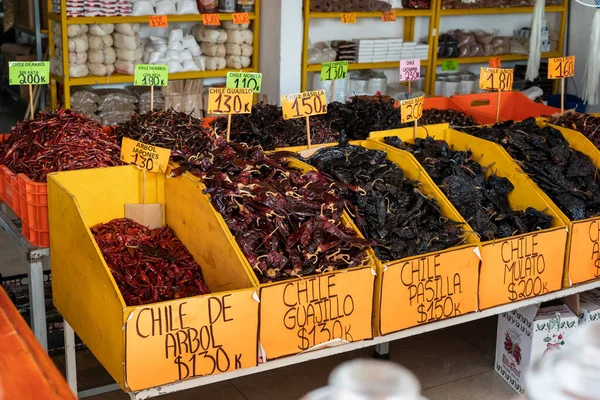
(482, 201)
(287, 223)
(149, 265)
(387, 207)
(266, 127)
(566, 175)
(60, 141)
(584, 123)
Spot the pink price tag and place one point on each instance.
(410, 70)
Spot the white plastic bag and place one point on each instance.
(188, 42)
(72, 30)
(174, 66)
(175, 35)
(201, 63)
(165, 7)
(77, 58)
(156, 57)
(105, 56)
(189, 65)
(127, 29)
(175, 46)
(101, 69)
(172, 55)
(124, 67)
(100, 42)
(196, 52)
(591, 74)
(185, 55)
(126, 42)
(213, 50)
(210, 35)
(237, 62)
(142, 7)
(101, 29)
(215, 63)
(187, 7)
(125, 55)
(78, 70)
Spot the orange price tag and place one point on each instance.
(495, 62)
(388, 16)
(241, 18)
(348, 18)
(158, 21)
(211, 19)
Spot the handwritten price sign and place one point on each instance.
(303, 104)
(158, 21)
(151, 158)
(495, 62)
(388, 16)
(348, 18)
(28, 72)
(244, 80)
(561, 67)
(229, 101)
(240, 18)
(500, 79)
(410, 70)
(450, 65)
(411, 109)
(334, 70)
(211, 19)
(151, 75)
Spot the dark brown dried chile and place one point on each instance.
(567, 176)
(387, 207)
(483, 202)
(149, 265)
(587, 124)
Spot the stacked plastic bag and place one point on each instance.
(180, 52)
(164, 7)
(128, 46)
(77, 47)
(94, 8)
(101, 55)
(230, 47)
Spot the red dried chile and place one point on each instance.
(149, 265)
(62, 141)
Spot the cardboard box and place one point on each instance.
(17, 52)
(589, 306)
(25, 14)
(527, 334)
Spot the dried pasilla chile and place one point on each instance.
(266, 127)
(482, 201)
(584, 123)
(61, 141)
(387, 207)
(149, 265)
(566, 175)
(433, 116)
(183, 134)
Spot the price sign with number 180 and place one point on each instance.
(500, 79)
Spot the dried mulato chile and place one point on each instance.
(482, 201)
(387, 207)
(566, 175)
(149, 265)
(587, 124)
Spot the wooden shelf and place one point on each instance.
(504, 10)
(121, 78)
(357, 66)
(485, 59)
(139, 19)
(401, 12)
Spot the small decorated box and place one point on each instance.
(589, 306)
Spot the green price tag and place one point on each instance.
(334, 70)
(244, 80)
(28, 72)
(450, 65)
(151, 75)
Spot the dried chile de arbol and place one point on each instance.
(286, 222)
(60, 141)
(587, 124)
(387, 207)
(149, 265)
(567, 176)
(482, 201)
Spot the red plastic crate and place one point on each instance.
(513, 106)
(442, 103)
(35, 237)
(33, 200)
(9, 189)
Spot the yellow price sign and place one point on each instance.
(500, 79)
(561, 67)
(303, 104)
(348, 18)
(151, 158)
(230, 101)
(411, 109)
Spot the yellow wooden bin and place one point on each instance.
(427, 287)
(583, 254)
(150, 345)
(314, 311)
(520, 266)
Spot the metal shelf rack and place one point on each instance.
(68, 81)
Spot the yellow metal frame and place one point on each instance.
(563, 9)
(409, 24)
(67, 81)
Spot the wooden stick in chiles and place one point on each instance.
(230, 101)
(304, 104)
(242, 80)
(151, 75)
(500, 79)
(411, 110)
(29, 73)
(561, 68)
